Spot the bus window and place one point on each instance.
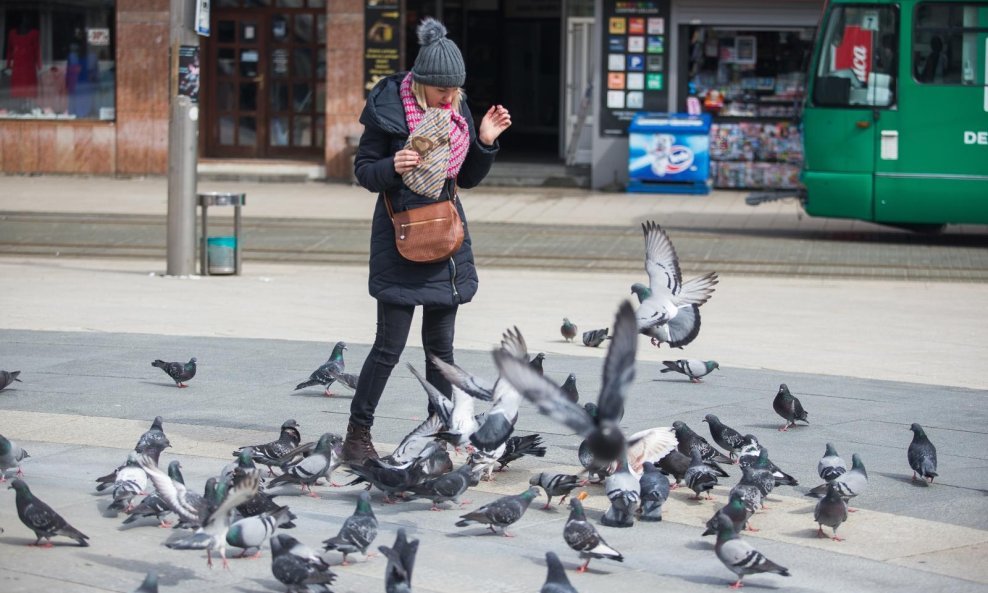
(857, 63)
(947, 43)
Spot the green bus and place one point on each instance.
(895, 120)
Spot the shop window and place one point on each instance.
(946, 43)
(58, 60)
(857, 62)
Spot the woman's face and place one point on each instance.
(439, 96)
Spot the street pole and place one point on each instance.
(183, 126)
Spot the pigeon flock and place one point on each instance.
(236, 507)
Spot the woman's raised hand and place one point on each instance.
(406, 160)
(496, 120)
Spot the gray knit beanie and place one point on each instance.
(439, 62)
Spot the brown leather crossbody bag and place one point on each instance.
(427, 234)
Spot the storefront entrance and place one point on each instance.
(264, 81)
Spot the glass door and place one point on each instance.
(235, 105)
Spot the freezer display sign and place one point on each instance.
(633, 79)
(668, 157)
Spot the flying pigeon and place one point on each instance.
(500, 513)
(624, 492)
(735, 510)
(180, 372)
(358, 530)
(435, 460)
(447, 487)
(249, 533)
(8, 377)
(331, 371)
(689, 440)
(668, 294)
(831, 466)
(605, 440)
(391, 480)
(596, 471)
(261, 503)
(922, 454)
(681, 330)
(555, 485)
(569, 388)
(415, 441)
(739, 556)
(298, 566)
(831, 510)
(581, 536)
(150, 584)
(725, 436)
(568, 329)
(556, 580)
(788, 406)
(41, 518)
(190, 507)
(691, 367)
(317, 465)
(11, 455)
(849, 485)
(595, 337)
(456, 416)
(517, 447)
(270, 453)
(699, 477)
(654, 492)
(401, 562)
(131, 481)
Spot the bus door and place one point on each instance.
(852, 98)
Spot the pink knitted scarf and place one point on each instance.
(459, 132)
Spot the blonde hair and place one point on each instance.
(418, 89)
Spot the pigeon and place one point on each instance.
(762, 462)
(536, 363)
(317, 465)
(11, 455)
(624, 492)
(457, 416)
(831, 510)
(692, 368)
(244, 464)
(788, 406)
(654, 487)
(556, 580)
(483, 462)
(648, 444)
(261, 503)
(735, 510)
(8, 377)
(298, 566)
(331, 371)
(596, 471)
(447, 487)
(749, 490)
(150, 584)
(401, 561)
(595, 337)
(270, 454)
(518, 446)
(681, 330)
(358, 530)
(41, 518)
(189, 506)
(849, 485)
(415, 442)
(699, 477)
(675, 464)
(739, 556)
(668, 294)
(831, 466)
(922, 454)
(555, 485)
(180, 372)
(131, 481)
(581, 536)
(568, 329)
(688, 440)
(435, 460)
(251, 532)
(725, 436)
(151, 506)
(605, 440)
(569, 388)
(500, 513)
(153, 438)
(393, 481)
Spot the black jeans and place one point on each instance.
(393, 324)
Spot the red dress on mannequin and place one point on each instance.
(24, 59)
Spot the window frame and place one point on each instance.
(916, 29)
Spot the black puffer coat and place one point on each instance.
(394, 279)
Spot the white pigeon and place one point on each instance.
(668, 295)
(131, 481)
(648, 445)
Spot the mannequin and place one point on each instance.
(24, 61)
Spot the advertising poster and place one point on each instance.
(382, 40)
(634, 42)
(188, 72)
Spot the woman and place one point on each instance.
(394, 108)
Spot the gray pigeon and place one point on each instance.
(502, 512)
(750, 490)
(153, 438)
(555, 485)
(331, 371)
(180, 372)
(401, 562)
(789, 407)
(725, 436)
(536, 363)
(41, 518)
(762, 462)
(250, 533)
(922, 454)
(581, 536)
(270, 453)
(568, 330)
(654, 492)
(153, 505)
(831, 510)
(188, 505)
(8, 377)
(393, 481)
(150, 584)
(569, 388)
(688, 440)
(517, 447)
(849, 485)
(317, 465)
(556, 580)
(736, 510)
(358, 530)
(624, 492)
(447, 487)
(298, 566)
(739, 556)
(131, 481)
(11, 455)
(700, 477)
(595, 337)
(691, 367)
(831, 466)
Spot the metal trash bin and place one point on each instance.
(669, 153)
(220, 255)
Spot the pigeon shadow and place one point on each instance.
(268, 584)
(319, 394)
(160, 384)
(700, 545)
(810, 534)
(55, 543)
(906, 479)
(168, 574)
(773, 427)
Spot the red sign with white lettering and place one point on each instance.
(855, 52)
